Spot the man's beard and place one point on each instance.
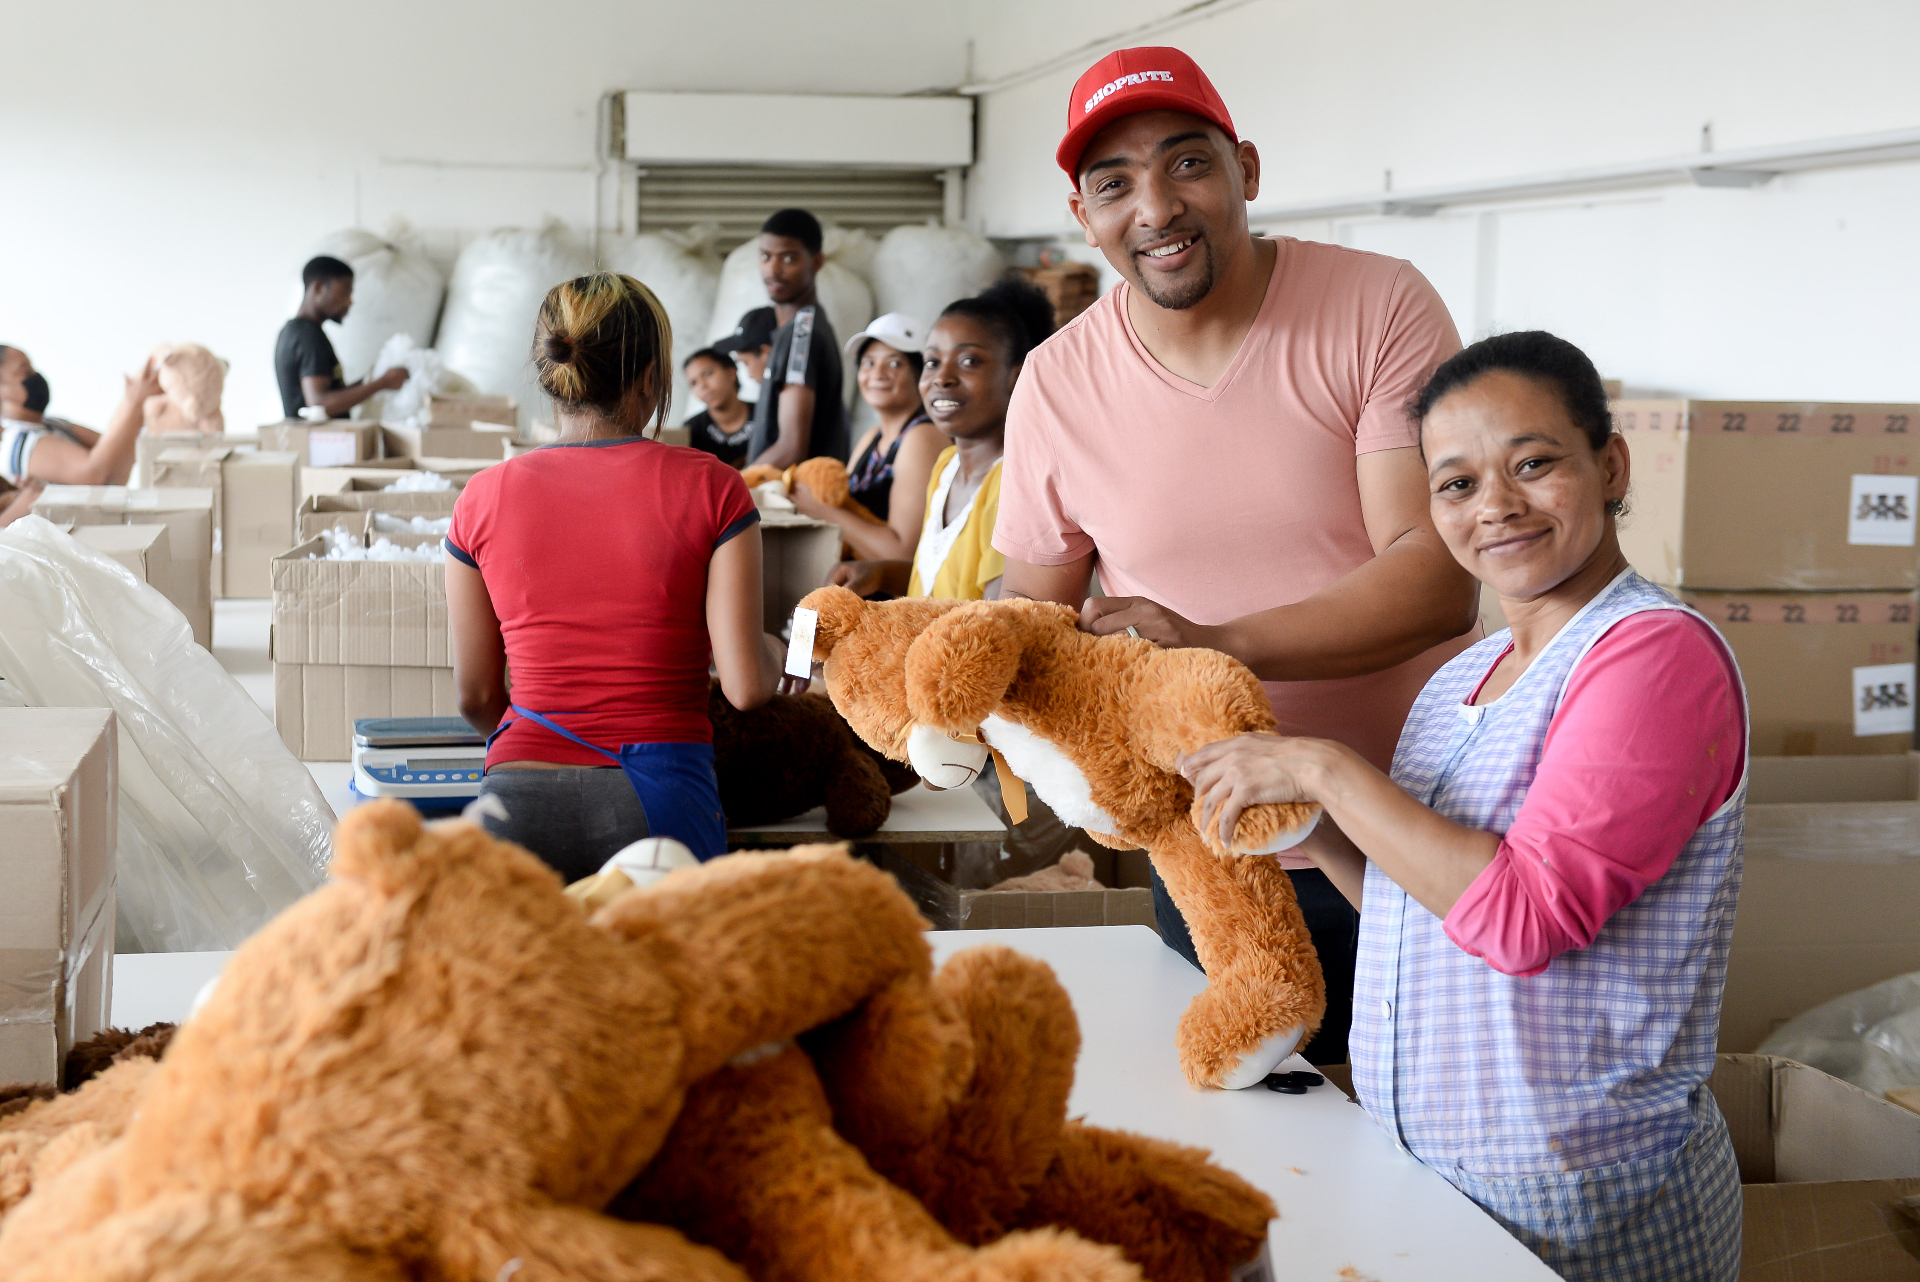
(1184, 295)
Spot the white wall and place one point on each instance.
(167, 167)
(1799, 289)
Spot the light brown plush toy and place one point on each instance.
(192, 380)
(1094, 725)
(436, 1068)
(826, 477)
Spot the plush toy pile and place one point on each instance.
(1095, 725)
(437, 1067)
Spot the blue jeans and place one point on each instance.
(1335, 926)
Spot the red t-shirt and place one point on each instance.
(595, 555)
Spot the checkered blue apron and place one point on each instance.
(1572, 1105)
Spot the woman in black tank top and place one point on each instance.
(901, 448)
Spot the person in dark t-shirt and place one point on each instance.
(723, 427)
(801, 413)
(303, 359)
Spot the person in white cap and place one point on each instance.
(900, 448)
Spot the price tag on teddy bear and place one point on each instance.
(800, 643)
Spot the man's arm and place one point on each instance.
(1066, 583)
(795, 421)
(337, 401)
(1410, 597)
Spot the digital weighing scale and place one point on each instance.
(435, 762)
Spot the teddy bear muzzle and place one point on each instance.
(942, 762)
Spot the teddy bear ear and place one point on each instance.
(840, 614)
(958, 670)
(374, 844)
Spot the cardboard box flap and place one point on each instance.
(1795, 1124)
(1840, 1232)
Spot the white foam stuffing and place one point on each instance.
(418, 483)
(388, 523)
(343, 546)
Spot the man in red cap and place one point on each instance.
(1224, 438)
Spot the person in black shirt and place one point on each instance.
(303, 359)
(722, 428)
(801, 413)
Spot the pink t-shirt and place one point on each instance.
(1222, 501)
(1648, 742)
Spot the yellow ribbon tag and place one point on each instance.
(1013, 792)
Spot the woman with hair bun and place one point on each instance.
(605, 571)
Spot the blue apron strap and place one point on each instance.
(560, 730)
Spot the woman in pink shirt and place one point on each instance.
(1546, 881)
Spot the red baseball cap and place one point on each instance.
(1131, 80)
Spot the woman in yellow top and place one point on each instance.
(973, 354)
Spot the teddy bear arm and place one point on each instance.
(763, 947)
(1167, 1207)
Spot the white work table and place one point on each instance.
(1353, 1208)
(919, 815)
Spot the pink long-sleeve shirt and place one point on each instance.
(1648, 742)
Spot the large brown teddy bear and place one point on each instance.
(192, 380)
(437, 1068)
(826, 477)
(1094, 725)
(787, 756)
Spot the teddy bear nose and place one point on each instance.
(942, 762)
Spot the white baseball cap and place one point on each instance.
(900, 332)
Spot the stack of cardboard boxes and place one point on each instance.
(187, 515)
(1792, 528)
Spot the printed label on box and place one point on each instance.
(1883, 699)
(800, 645)
(1880, 510)
(332, 449)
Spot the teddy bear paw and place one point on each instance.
(1261, 1060)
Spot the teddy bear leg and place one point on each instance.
(754, 1167)
(1265, 994)
(858, 799)
(956, 1090)
(573, 1244)
(1170, 1210)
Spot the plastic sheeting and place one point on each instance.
(683, 271)
(499, 282)
(220, 828)
(917, 271)
(396, 290)
(1870, 1037)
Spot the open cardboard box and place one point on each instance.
(1832, 874)
(953, 887)
(338, 442)
(1824, 1167)
(188, 516)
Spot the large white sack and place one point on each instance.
(917, 271)
(499, 282)
(683, 271)
(396, 290)
(844, 296)
(220, 828)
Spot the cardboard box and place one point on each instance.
(1824, 1167)
(1828, 674)
(797, 554)
(377, 474)
(148, 446)
(59, 799)
(1826, 902)
(478, 441)
(316, 704)
(465, 409)
(141, 548)
(359, 613)
(195, 467)
(188, 516)
(1779, 497)
(338, 442)
(952, 886)
(253, 509)
(349, 509)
